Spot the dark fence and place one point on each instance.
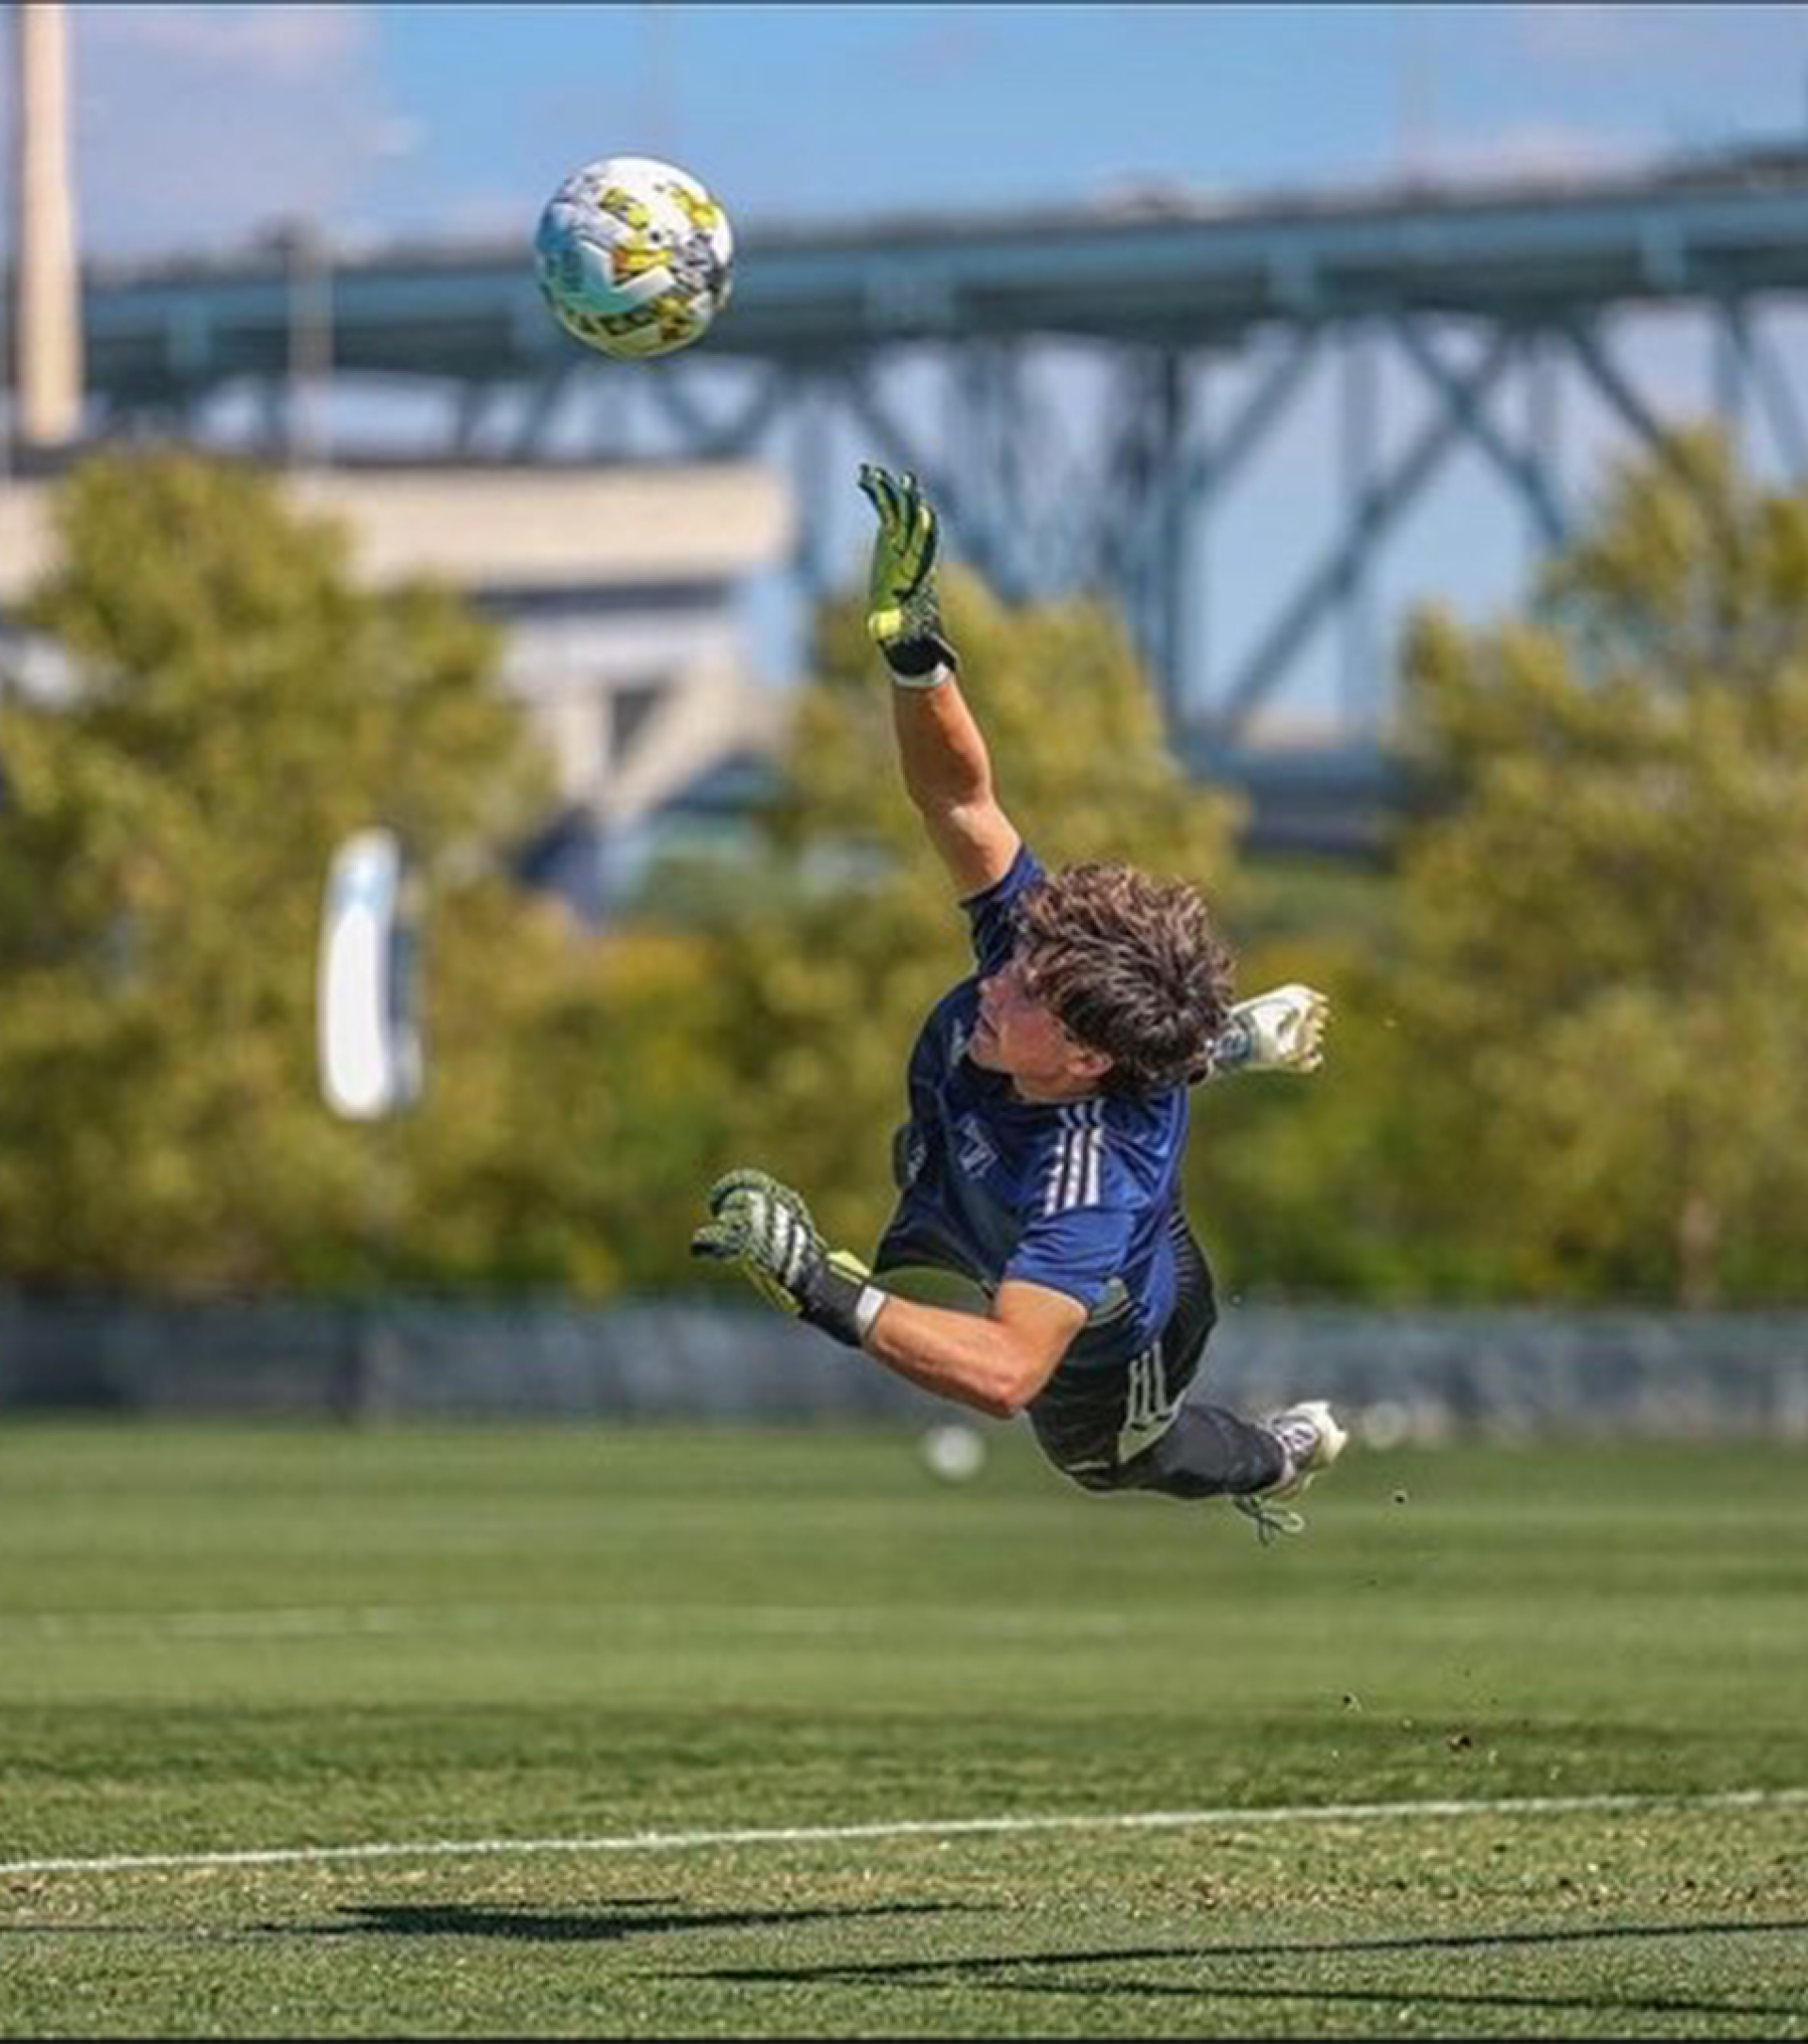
(1420, 1375)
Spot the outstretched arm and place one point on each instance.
(947, 768)
(940, 749)
(947, 774)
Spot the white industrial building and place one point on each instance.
(622, 592)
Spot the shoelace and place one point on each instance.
(1270, 1519)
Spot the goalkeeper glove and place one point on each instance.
(765, 1228)
(902, 611)
(1281, 1030)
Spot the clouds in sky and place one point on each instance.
(1533, 150)
(287, 42)
(197, 127)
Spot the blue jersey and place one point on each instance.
(1081, 1196)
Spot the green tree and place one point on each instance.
(241, 705)
(846, 932)
(1605, 913)
(1294, 1182)
(563, 1143)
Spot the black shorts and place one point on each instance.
(1101, 1410)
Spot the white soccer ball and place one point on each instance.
(954, 1453)
(633, 257)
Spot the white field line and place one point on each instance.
(1148, 1820)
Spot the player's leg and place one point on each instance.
(1207, 1450)
(1174, 1439)
(1176, 1444)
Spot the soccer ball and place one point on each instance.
(953, 1452)
(633, 257)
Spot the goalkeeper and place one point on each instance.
(1038, 1260)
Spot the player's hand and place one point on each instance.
(766, 1229)
(903, 613)
(748, 1179)
(1283, 1030)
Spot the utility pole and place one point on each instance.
(47, 311)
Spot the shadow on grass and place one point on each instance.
(1007, 1972)
(635, 1916)
(630, 1917)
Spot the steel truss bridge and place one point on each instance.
(1088, 392)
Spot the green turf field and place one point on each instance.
(758, 1734)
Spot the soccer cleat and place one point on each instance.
(1312, 1441)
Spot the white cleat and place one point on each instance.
(1312, 1441)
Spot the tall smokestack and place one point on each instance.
(47, 309)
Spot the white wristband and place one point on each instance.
(941, 673)
(867, 1308)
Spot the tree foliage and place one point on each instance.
(1606, 916)
(1565, 1056)
(1295, 1184)
(240, 706)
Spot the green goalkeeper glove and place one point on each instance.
(1283, 1030)
(902, 611)
(765, 1228)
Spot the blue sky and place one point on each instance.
(196, 125)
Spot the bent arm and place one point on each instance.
(995, 1363)
(948, 775)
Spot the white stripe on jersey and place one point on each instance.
(1075, 1169)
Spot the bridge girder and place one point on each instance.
(1086, 391)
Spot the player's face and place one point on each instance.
(1017, 1035)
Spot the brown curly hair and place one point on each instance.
(1131, 965)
